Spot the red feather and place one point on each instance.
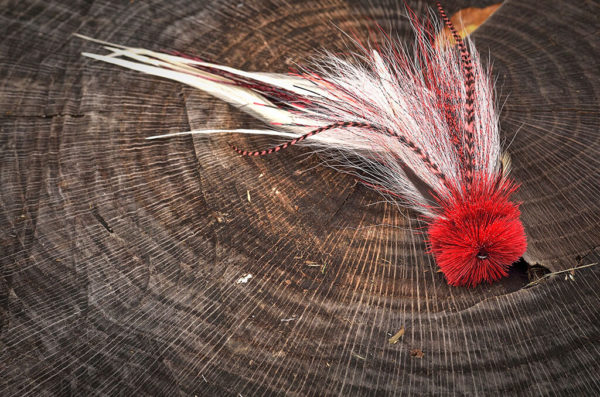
(477, 234)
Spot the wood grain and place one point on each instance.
(121, 257)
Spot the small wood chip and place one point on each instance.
(248, 196)
(394, 339)
(418, 353)
(323, 268)
(219, 216)
(244, 279)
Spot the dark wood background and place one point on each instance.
(120, 256)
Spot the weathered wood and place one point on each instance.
(121, 257)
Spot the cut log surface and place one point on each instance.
(125, 263)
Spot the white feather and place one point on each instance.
(375, 88)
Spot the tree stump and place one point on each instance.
(125, 263)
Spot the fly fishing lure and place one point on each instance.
(417, 125)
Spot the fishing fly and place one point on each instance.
(418, 124)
